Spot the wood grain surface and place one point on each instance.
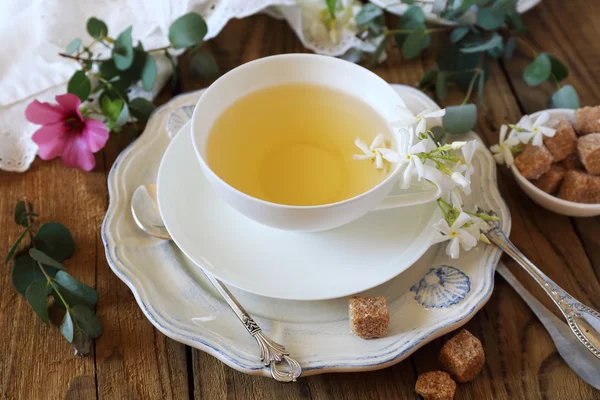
(132, 360)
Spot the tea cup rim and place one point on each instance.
(240, 69)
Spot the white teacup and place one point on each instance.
(317, 70)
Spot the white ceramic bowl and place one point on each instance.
(548, 201)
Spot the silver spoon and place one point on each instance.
(581, 361)
(583, 320)
(283, 368)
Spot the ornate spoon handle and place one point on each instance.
(272, 354)
(583, 320)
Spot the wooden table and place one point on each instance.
(133, 360)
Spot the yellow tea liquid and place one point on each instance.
(293, 144)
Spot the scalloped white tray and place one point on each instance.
(180, 302)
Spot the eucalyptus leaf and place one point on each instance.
(458, 33)
(149, 73)
(96, 28)
(438, 6)
(81, 343)
(488, 19)
(87, 320)
(123, 50)
(516, 21)
(447, 58)
(439, 134)
(26, 270)
(408, 25)
(37, 297)
(80, 85)
(368, 13)
(538, 71)
(73, 47)
(509, 48)
(460, 119)
(20, 212)
(77, 291)
(55, 240)
(377, 54)
(503, 7)
(15, 245)
(565, 97)
(66, 327)
(108, 70)
(559, 70)
(415, 43)
(204, 64)
(414, 13)
(141, 108)
(493, 42)
(111, 108)
(429, 79)
(187, 30)
(441, 90)
(43, 258)
(123, 116)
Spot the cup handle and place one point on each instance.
(410, 199)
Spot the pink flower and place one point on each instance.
(66, 133)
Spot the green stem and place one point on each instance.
(471, 86)
(29, 220)
(51, 282)
(159, 49)
(388, 32)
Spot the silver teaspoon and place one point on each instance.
(283, 368)
(581, 361)
(583, 320)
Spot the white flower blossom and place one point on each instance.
(477, 229)
(534, 132)
(376, 151)
(320, 27)
(503, 153)
(408, 119)
(458, 235)
(408, 153)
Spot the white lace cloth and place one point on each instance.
(35, 31)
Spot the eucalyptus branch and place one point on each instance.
(388, 32)
(83, 59)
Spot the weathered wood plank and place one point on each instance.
(35, 361)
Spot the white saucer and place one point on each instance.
(433, 297)
(282, 264)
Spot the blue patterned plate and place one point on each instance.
(434, 296)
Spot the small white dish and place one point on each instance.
(548, 201)
(176, 298)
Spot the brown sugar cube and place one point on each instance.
(572, 162)
(462, 356)
(564, 141)
(435, 385)
(550, 181)
(369, 316)
(534, 161)
(587, 120)
(588, 148)
(580, 187)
